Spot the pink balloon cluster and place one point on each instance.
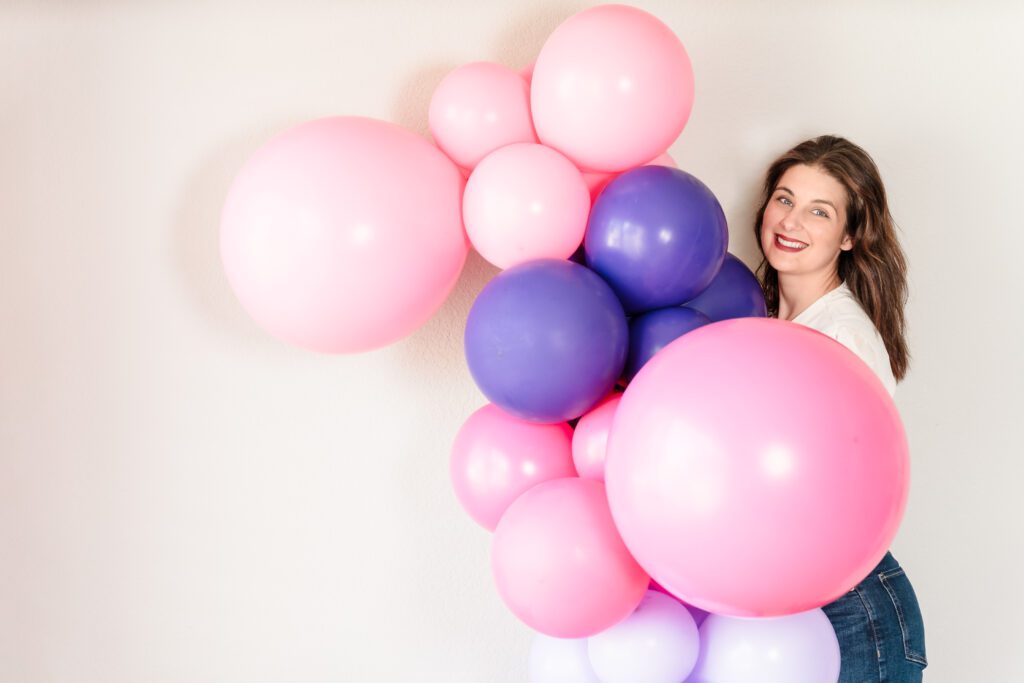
(611, 89)
(752, 468)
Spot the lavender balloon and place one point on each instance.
(799, 648)
(658, 643)
(734, 293)
(653, 331)
(546, 340)
(560, 660)
(657, 235)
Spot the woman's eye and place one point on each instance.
(820, 212)
(785, 201)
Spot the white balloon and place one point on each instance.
(560, 660)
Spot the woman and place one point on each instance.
(832, 262)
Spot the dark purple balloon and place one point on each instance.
(546, 340)
(653, 331)
(734, 293)
(657, 235)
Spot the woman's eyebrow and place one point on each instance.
(819, 201)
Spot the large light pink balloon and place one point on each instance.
(525, 202)
(497, 457)
(559, 563)
(478, 108)
(612, 88)
(757, 468)
(590, 438)
(344, 234)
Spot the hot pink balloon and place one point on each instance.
(478, 108)
(590, 439)
(344, 234)
(525, 202)
(612, 88)
(497, 457)
(757, 468)
(559, 563)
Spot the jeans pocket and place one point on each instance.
(897, 585)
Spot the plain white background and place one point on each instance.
(185, 499)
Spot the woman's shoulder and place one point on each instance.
(844, 319)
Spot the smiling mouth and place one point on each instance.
(789, 245)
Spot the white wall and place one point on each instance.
(182, 498)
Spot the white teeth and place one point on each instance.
(787, 243)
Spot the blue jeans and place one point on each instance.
(880, 630)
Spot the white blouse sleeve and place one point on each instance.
(870, 348)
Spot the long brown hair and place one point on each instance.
(875, 269)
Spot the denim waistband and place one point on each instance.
(887, 564)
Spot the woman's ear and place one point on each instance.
(847, 243)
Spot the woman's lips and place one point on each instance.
(790, 245)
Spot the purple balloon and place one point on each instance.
(734, 293)
(657, 235)
(546, 340)
(697, 613)
(651, 332)
(658, 643)
(799, 648)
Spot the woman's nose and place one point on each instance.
(789, 221)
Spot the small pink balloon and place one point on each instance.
(497, 457)
(344, 234)
(559, 563)
(525, 202)
(663, 159)
(757, 467)
(478, 108)
(596, 182)
(590, 439)
(612, 87)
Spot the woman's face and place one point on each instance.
(804, 226)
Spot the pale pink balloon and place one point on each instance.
(560, 565)
(344, 234)
(478, 108)
(612, 87)
(525, 202)
(497, 457)
(757, 468)
(590, 440)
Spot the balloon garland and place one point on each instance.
(687, 529)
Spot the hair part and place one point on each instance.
(875, 269)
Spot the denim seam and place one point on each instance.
(907, 651)
(874, 633)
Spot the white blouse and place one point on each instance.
(839, 315)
